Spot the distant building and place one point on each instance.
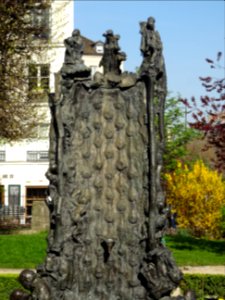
(93, 52)
(23, 164)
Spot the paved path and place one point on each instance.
(214, 270)
(10, 271)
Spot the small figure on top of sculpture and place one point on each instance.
(74, 47)
(151, 48)
(112, 56)
(74, 66)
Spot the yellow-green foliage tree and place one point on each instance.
(196, 194)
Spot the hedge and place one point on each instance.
(203, 285)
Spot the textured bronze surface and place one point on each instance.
(107, 205)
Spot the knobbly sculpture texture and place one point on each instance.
(107, 205)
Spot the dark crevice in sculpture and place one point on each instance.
(107, 206)
(107, 246)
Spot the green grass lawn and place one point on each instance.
(28, 251)
(22, 251)
(190, 251)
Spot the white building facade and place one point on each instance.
(23, 164)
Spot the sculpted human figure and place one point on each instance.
(30, 281)
(19, 295)
(112, 56)
(74, 47)
(149, 39)
(39, 288)
(73, 65)
(151, 48)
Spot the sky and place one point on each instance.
(191, 31)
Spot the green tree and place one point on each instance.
(177, 133)
(21, 36)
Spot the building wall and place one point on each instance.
(93, 62)
(16, 170)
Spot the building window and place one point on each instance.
(36, 156)
(43, 130)
(38, 77)
(34, 194)
(14, 195)
(43, 155)
(32, 156)
(99, 48)
(2, 193)
(2, 155)
(40, 20)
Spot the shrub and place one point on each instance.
(197, 194)
(222, 223)
(204, 285)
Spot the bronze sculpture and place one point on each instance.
(108, 211)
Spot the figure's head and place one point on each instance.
(76, 32)
(108, 33)
(151, 23)
(19, 295)
(26, 278)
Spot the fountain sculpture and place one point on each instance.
(107, 205)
